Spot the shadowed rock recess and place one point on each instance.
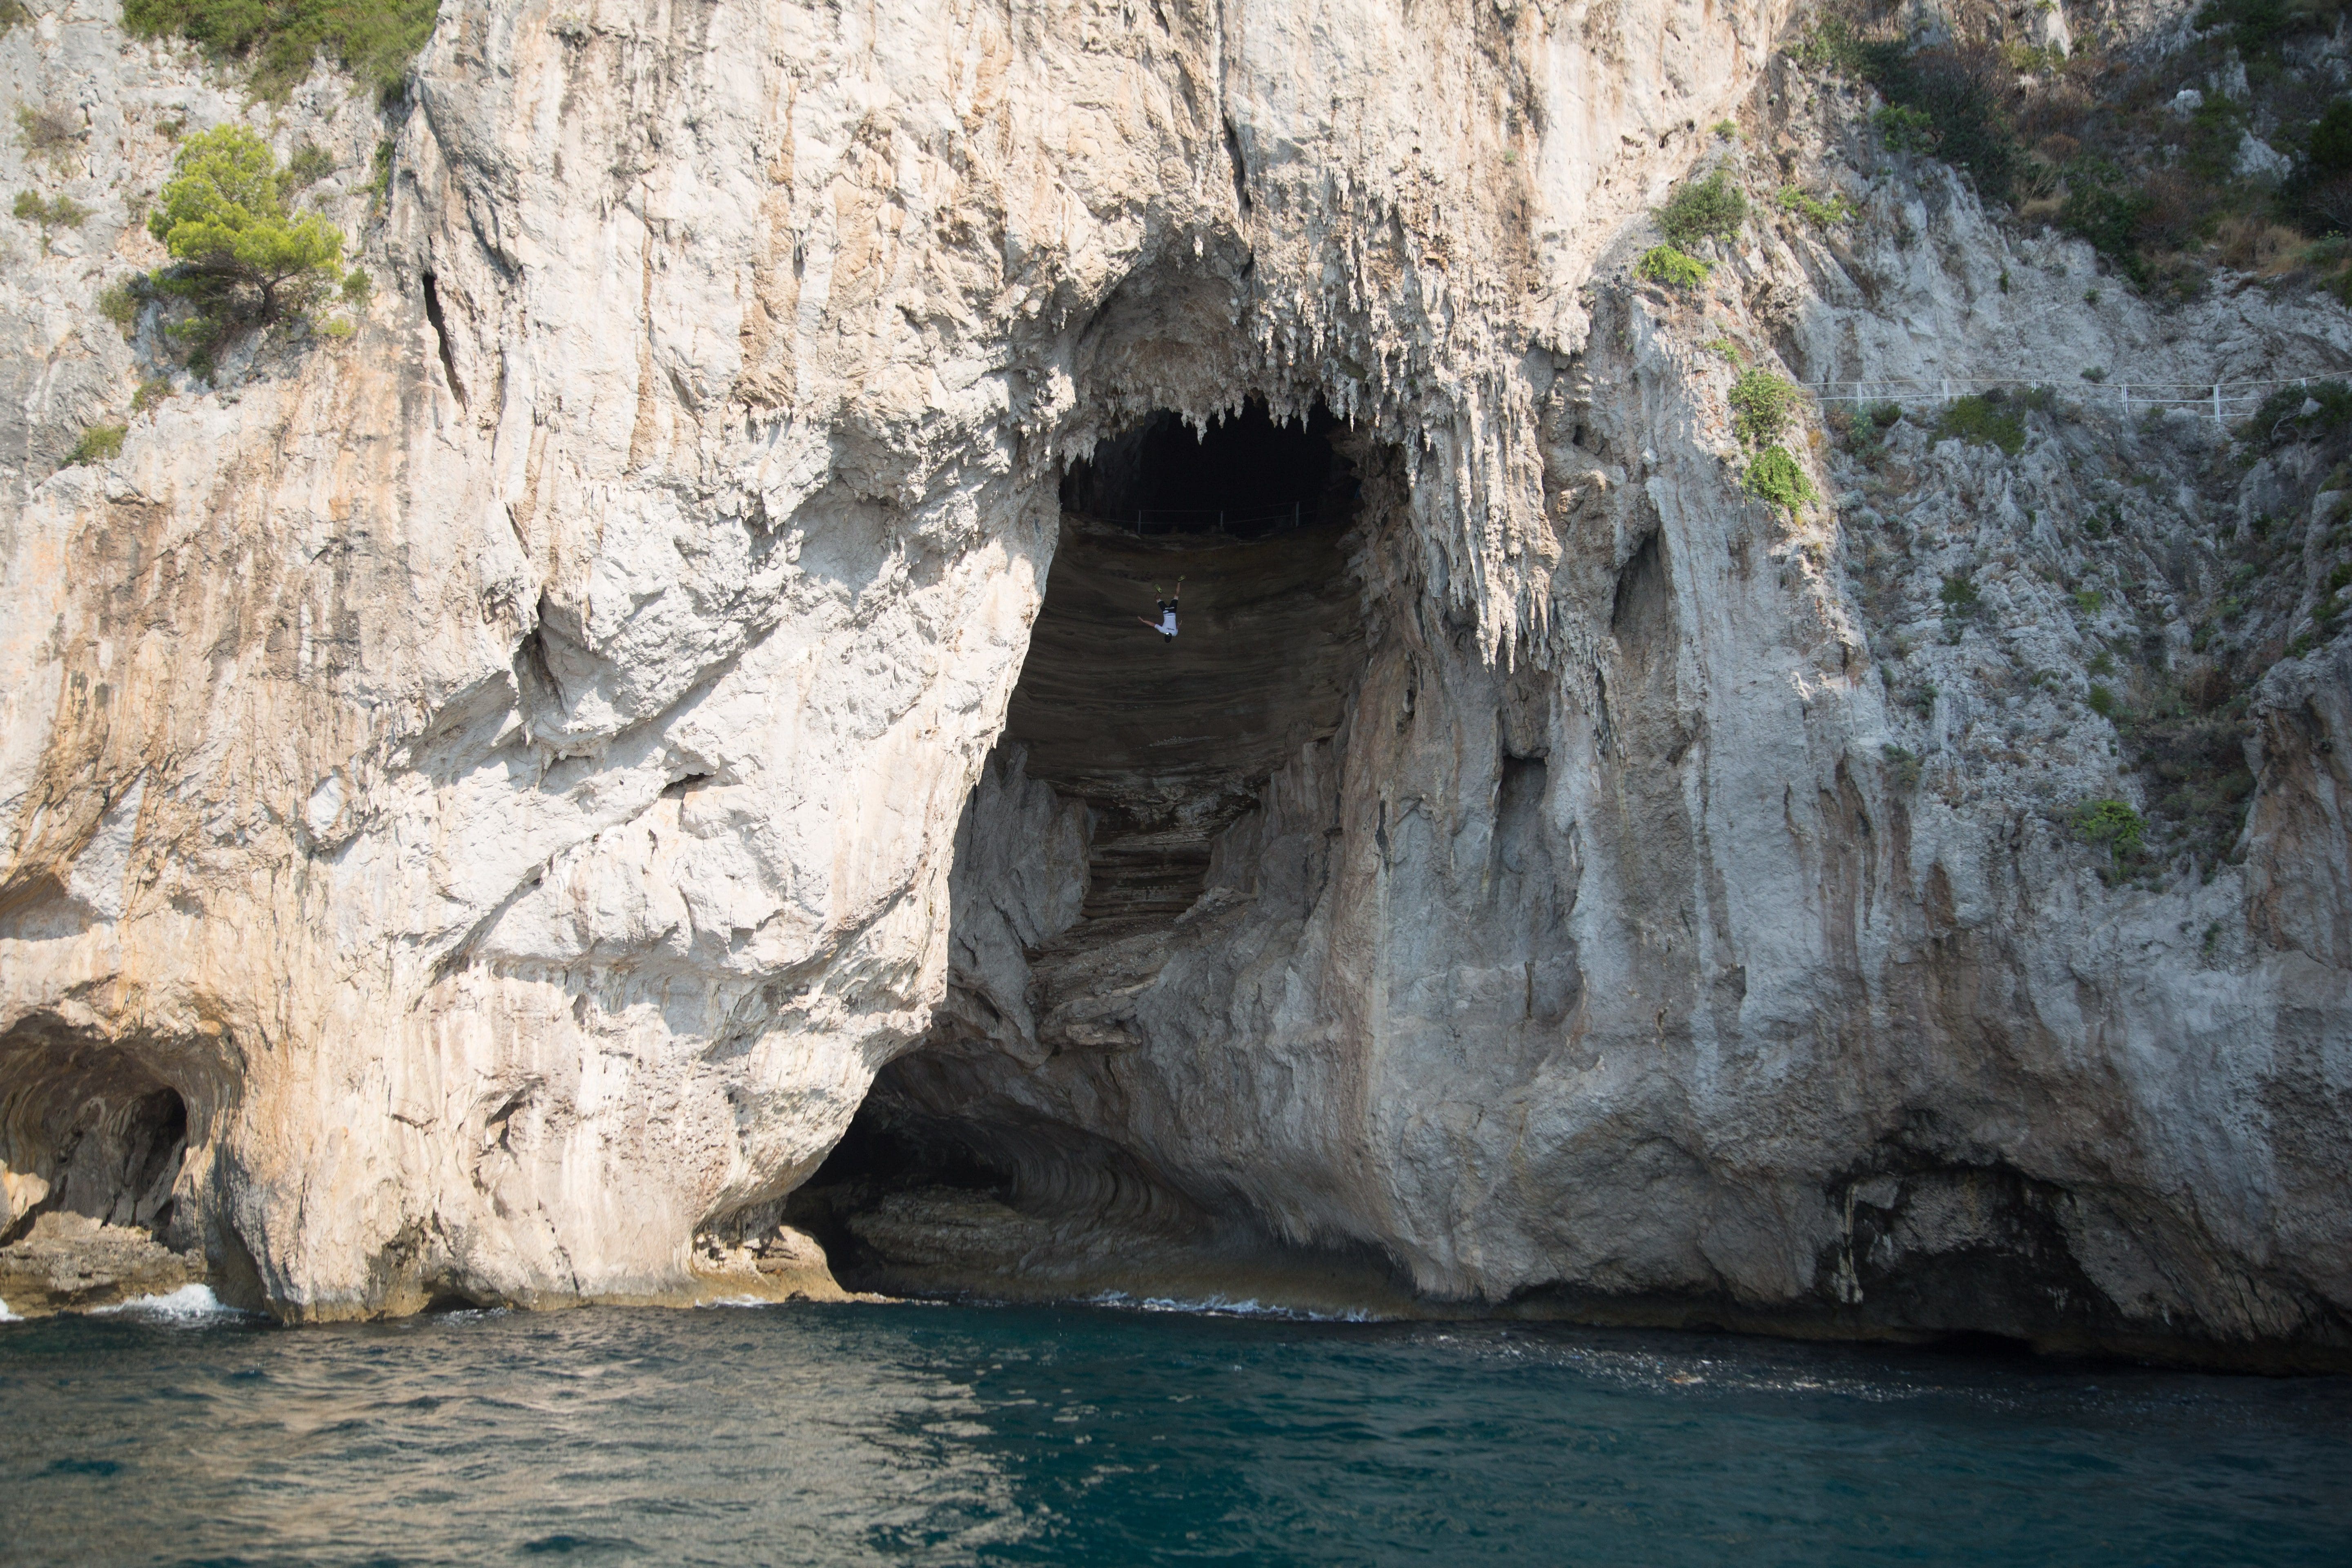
(629, 746)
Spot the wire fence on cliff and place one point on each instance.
(2223, 401)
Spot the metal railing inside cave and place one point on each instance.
(2223, 401)
(1258, 522)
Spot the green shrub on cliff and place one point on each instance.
(1762, 403)
(1712, 208)
(241, 252)
(1984, 420)
(1815, 210)
(98, 444)
(59, 212)
(1777, 478)
(1662, 264)
(279, 39)
(2114, 826)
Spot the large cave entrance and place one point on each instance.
(1091, 857)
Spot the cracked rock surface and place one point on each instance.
(482, 799)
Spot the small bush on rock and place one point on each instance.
(1905, 129)
(48, 131)
(1762, 403)
(1712, 208)
(98, 444)
(2113, 824)
(1984, 420)
(119, 303)
(1664, 264)
(1777, 478)
(309, 166)
(60, 212)
(1813, 209)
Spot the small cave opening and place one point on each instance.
(1091, 850)
(90, 1131)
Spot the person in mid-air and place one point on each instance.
(1166, 624)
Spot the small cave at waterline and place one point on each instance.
(87, 1130)
(1112, 835)
(92, 1143)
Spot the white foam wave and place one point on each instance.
(7, 1316)
(188, 1304)
(739, 1301)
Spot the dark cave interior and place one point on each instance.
(105, 1133)
(1244, 475)
(1166, 743)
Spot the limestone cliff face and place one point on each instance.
(499, 774)
(507, 782)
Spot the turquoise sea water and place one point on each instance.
(931, 1434)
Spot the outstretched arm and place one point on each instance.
(1153, 624)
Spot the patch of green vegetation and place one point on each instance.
(309, 166)
(56, 212)
(1983, 419)
(1762, 404)
(357, 288)
(98, 444)
(242, 255)
(1833, 44)
(2113, 825)
(2103, 702)
(277, 41)
(1903, 766)
(2257, 28)
(1712, 208)
(1905, 129)
(1922, 699)
(1726, 130)
(2104, 208)
(2088, 601)
(1813, 209)
(1662, 264)
(150, 391)
(1777, 479)
(49, 131)
(2032, 60)
(1726, 350)
(119, 303)
(1959, 595)
(2190, 746)
(1951, 101)
(1863, 428)
(12, 12)
(2297, 413)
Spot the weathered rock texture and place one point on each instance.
(69, 1262)
(510, 777)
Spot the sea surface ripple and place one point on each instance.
(1093, 1435)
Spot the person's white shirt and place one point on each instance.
(1168, 623)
